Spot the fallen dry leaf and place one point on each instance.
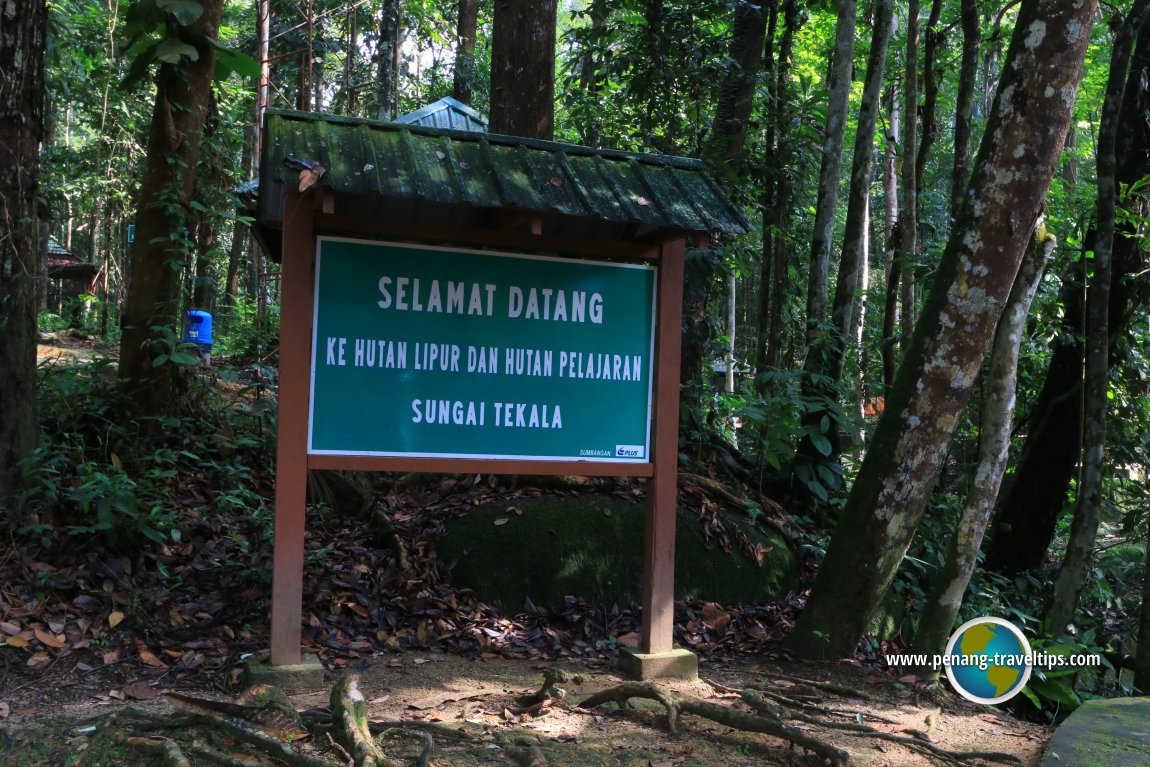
(50, 641)
(115, 618)
(5, 710)
(17, 641)
(141, 691)
(149, 657)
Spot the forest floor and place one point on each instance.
(90, 630)
(51, 724)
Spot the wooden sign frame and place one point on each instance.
(306, 215)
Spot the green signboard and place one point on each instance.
(436, 352)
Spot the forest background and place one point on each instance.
(911, 194)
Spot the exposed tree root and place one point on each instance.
(263, 721)
(837, 689)
(914, 739)
(552, 678)
(524, 751)
(770, 711)
(428, 742)
(166, 752)
(731, 717)
(351, 727)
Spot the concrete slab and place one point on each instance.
(1103, 733)
(305, 676)
(676, 664)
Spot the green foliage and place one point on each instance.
(161, 31)
(98, 477)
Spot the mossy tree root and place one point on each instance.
(351, 728)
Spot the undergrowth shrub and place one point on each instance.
(98, 478)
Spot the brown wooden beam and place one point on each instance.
(662, 491)
(291, 450)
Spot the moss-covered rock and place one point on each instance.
(591, 547)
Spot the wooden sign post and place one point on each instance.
(641, 440)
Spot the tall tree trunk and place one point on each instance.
(591, 76)
(465, 28)
(1026, 520)
(1088, 508)
(994, 443)
(930, 82)
(387, 61)
(182, 102)
(858, 219)
(523, 68)
(240, 230)
(780, 222)
(737, 94)
(351, 48)
(771, 169)
(838, 99)
(263, 86)
(964, 104)
(891, 268)
(22, 36)
(1016, 162)
(203, 289)
(908, 224)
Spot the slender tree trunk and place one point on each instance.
(838, 100)
(22, 36)
(182, 102)
(908, 225)
(891, 266)
(240, 230)
(464, 75)
(1088, 509)
(994, 443)
(782, 194)
(42, 279)
(203, 291)
(387, 61)
(732, 326)
(263, 87)
(930, 82)
(591, 76)
(1016, 162)
(964, 104)
(855, 232)
(523, 68)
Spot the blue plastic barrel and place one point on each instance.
(199, 328)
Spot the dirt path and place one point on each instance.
(477, 697)
(63, 348)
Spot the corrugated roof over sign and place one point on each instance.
(457, 178)
(446, 113)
